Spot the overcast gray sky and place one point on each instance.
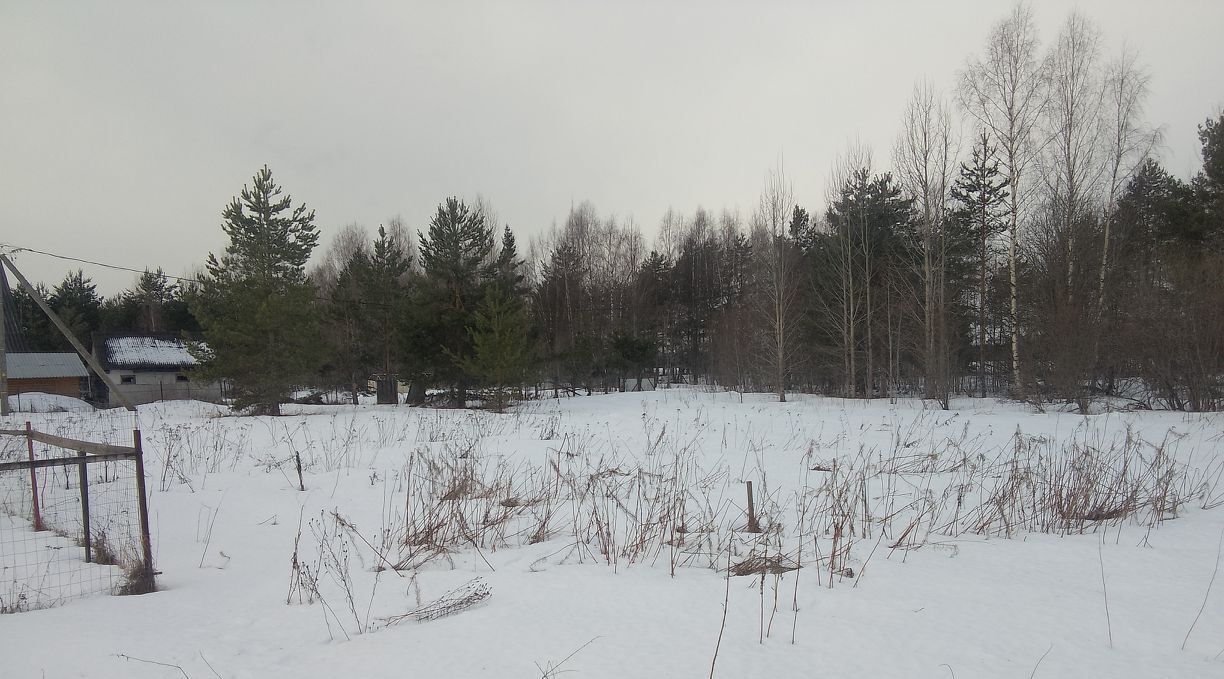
(127, 127)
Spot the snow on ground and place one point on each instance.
(984, 542)
(38, 402)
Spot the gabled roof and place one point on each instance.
(143, 352)
(35, 365)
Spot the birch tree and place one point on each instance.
(840, 288)
(1004, 92)
(1129, 144)
(924, 158)
(778, 301)
(1072, 122)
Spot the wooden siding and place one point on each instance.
(60, 386)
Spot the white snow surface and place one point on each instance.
(932, 595)
(39, 402)
(137, 351)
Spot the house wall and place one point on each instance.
(60, 386)
(148, 387)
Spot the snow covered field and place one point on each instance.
(989, 541)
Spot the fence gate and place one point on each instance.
(72, 524)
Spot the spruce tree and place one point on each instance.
(348, 327)
(509, 268)
(255, 304)
(981, 194)
(386, 292)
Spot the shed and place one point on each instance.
(148, 368)
(62, 374)
(59, 373)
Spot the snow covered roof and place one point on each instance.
(144, 352)
(30, 366)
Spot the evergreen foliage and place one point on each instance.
(348, 327)
(153, 305)
(255, 305)
(500, 354)
(75, 300)
(508, 269)
(385, 294)
(456, 256)
(36, 329)
(980, 195)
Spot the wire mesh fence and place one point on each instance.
(72, 523)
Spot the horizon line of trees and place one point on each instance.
(1054, 259)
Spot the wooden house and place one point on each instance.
(59, 373)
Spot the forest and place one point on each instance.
(1021, 239)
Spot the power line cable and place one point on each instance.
(9, 249)
(13, 249)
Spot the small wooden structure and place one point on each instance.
(387, 389)
(147, 368)
(61, 374)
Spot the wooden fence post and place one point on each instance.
(84, 476)
(146, 544)
(753, 526)
(38, 524)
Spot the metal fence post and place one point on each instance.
(84, 474)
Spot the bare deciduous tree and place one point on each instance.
(778, 298)
(1004, 91)
(924, 158)
(1072, 162)
(1128, 143)
(843, 289)
(351, 240)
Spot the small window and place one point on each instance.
(181, 378)
(127, 379)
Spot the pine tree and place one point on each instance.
(456, 258)
(255, 304)
(981, 194)
(1209, 184)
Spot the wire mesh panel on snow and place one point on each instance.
(70, 524)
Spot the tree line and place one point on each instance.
(1023, 240)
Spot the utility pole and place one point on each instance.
(4, 407)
